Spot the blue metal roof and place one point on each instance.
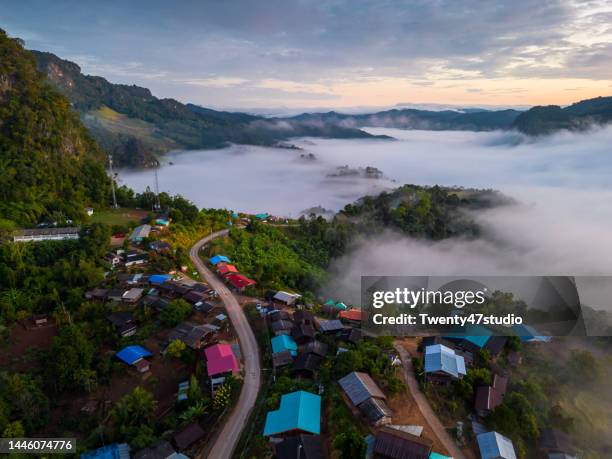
(298, 411)
(441, 358)
(114, 451)
(528, 333)
(158, 279)
(494, 445)
(219, 258)
(131, 354)
(284, 343)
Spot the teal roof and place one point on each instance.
(262, 216)
(298, 411)
(475, 334)
(330, 302)
(439, 456)
(342, 306)
(284, 343)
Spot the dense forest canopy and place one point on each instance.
(48, 160)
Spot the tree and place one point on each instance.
(132, 412)
(222, 397)
(175, 349)
(583, 366)
(14, 430)
(175, 312)
(351, 445)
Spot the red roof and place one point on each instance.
(220, 359)
(351, 314)
(224, 268)
(239, 281)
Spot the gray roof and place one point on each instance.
(133, 294)
(286, 297)
(281, 359)
(374, 409)
(359, 387)
(140, 232)
(46, 231)
(330, 325)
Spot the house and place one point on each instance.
(284, 343)
(286, 297)
(161, 221)
(135, 355)
(161, 449)
(299, 412)
(99, 294)
(124, 322)
(303, 317)
(138, 280)
(395, 444)
(376, 412)
(224, 268)
(188, 435)
(341, 306)
(316, 347)
(159, 304)
(158, 279)
(160, 246)
(132, 296)
(139, 233)
(239, 281)
(300, 447)
(193, 335)
(282, 327)
(218, 259)
(173, 289)
(330, 326)
(115, 294)
(89, 211)
(490, 397)
(494, 445)
(276, 315)
(46, 234)
(194, 297)
(113, 451)
(203, 306)
(443, 364)
(307, 364)
(352, 316)
(472, 339)
(528, 334)
(360, 387)
(350, 335)
(554, 441)
(220, 360)
(302, 333)
(282, 359)
(134, 257)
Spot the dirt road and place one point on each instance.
(229, 436)
(426, 410)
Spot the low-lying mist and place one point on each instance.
(559, 225)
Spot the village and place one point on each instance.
(174, 338)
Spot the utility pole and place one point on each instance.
(157, 205)
(112, 175)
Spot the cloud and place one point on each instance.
(324, 43)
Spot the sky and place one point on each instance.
(247, 54)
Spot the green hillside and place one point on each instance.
(49, 162)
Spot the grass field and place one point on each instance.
(120, 217)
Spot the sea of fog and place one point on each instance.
(562, 184)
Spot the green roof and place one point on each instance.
(330, 302)
(299, 411)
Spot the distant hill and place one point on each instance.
(49, 163)
(408, 118)
(126, 118)
(579, 116)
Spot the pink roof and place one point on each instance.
(220, 359)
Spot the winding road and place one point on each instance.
(228, 438)
(424, 406)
